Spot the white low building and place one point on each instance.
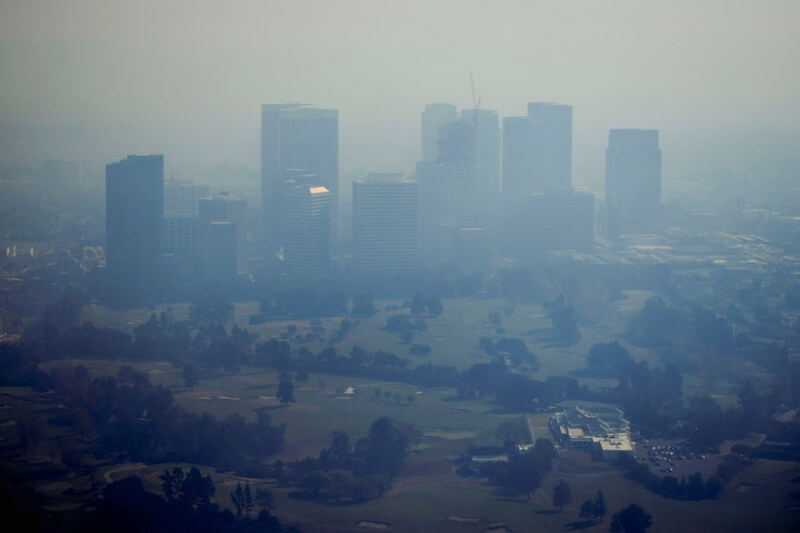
(598, 428)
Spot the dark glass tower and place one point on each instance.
(134, 218)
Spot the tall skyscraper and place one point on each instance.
(633, 181)
(225, 207)
(438, 211)
(434, 116)
(385, 225)
(520, 144)
(457, 151)
(307, 230)
(295, 136)
(537, 150)
(553, 165)
(487, 149)
(134, 218)
(216, 251)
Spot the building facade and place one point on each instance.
(225, 207)
(295, 136)
(553, 165)
(433, 117)
(134, 218)
(633, 181)
(385, 225)
(307, 230)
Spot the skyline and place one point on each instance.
(99, 80)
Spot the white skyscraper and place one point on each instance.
(385, 225)
(307, 230)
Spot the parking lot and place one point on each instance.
(676, 458)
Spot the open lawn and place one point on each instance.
(449, 423)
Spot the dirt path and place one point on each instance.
(133, 466)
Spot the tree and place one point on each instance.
(563, 318)
(417, 304)
(237, 499)
(611, 356)
(562, 494)
(315, 482)
(363, 304)
(385, 449)
(249, 503)
(587, 509)
(189, 375)
(285, 391)
(600, 507)
(631, 519)
(513, 432)
(264, 498)
(197, 490)
(434, 305)
(213, 309)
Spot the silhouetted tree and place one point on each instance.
(631, 519)
(587, 509)
(513, 432)
(600, 507)
(285, 391)
(417, 304)
(562, 494)
(189, 375)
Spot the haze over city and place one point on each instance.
(85, 78)
(445, 266)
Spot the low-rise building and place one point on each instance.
(599, 428)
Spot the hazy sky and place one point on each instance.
(102, 78)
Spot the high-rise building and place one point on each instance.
(537, 150)
(487, 149)
(295, 136)
(434, 116)
(633, 181)
(385, 225)
(225, 207)
(520, 142)
(553, 165)
(457, 151)
(307, 230)
(438, 211)
(183, 197)
(216, 251)
(179, 246)
(134, 218)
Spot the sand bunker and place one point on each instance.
(462, 519)
(373, 525)
(215, 398)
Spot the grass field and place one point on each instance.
(429, 497)
(761, 498)
(453, 337)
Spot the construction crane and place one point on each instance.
(476, 100)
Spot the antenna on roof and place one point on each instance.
(476, 100)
